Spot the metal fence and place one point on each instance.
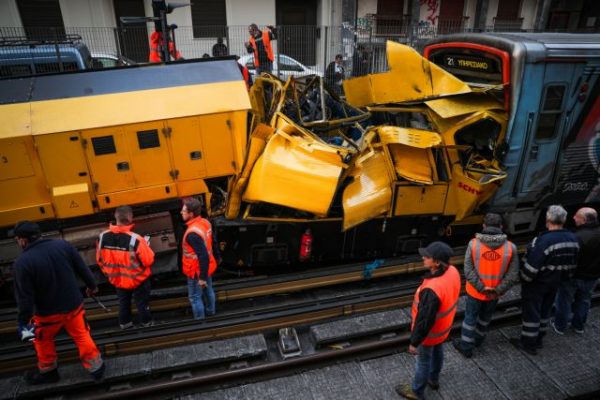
(362, 45)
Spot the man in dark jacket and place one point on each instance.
(433, 311)
(48, 300)
(260, 45)
(550, 257)
(574, 296)
(334, 74)
(491, 268)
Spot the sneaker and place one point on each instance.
(147, 324)
(128, 325)
(37, 378)
(433, 385)
(98, 374)
(466, 353)
(406, 391)
(519, 345)
(558, 332)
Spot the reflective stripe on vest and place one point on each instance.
(190, 263)
(266, 44)
(447, 289)
(121, 275)
(490, 272)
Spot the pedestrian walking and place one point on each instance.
(335, 74)
(550, 256)
(199, 258)
(433, 310)
(260, 45)
(125, 258)
(574, 296)
(49, 299)
(491, 267)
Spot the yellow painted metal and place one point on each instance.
(408, 136)
(54, 150)
(137, 196)
(191, 187)
(295, 170)
(419, 200)
(137, 106)
(411, 77)
(22, 183)
(370, 193)
(465, 104)
(412, 163)
(256, 146)
(72, 200)
(187, 147)
(16, 120)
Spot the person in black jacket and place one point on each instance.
(550, 257)
(334, 74)
(48, 300)
(574, 296)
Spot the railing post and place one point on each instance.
(325, 46)
(117, 40)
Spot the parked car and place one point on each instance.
(25, 57)
(107, 60)
(287, 66)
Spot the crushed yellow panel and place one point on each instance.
(411, 77)
(419, 200)
(258, 141)
(461, 105)
(370, 193)
(412, 163)
(408, 136)
(295, 170)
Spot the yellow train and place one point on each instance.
(396, 164)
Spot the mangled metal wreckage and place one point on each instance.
(411, 141)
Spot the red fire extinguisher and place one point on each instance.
(306, 245)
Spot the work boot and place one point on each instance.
(128, 325)
(38, 378)
(148, 324)
(433, 385)
(519, 345)
(406, 391)
(457, 345)
(98, 374)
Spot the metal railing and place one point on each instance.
(362, 45)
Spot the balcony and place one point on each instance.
(389, 25)
(507, 25)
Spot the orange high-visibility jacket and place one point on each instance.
(190, 263)
(124, 256)
(491, 265)
(155, 43)
(447, 288)
(268, 49)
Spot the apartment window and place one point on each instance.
(209, 18)
(42, 19)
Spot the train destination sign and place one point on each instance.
(481, 64)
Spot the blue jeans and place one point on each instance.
(195, 297)
(573, 301)
(429, 365)
(478, 314)
(141, 295)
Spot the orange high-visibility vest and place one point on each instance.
(491, 265)
(447, 289)
(124, 257)
(155, 51)
(266, 43)
(190, 263)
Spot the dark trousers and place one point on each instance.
(265, 66)
(478, 314)
(141, 295)
(537, 300)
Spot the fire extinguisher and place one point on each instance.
(306, 245)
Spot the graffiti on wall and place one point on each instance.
(432, 10)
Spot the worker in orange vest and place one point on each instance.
(433, 310)
(49, 299)
(491, 268)
(125, 258)
(200, 253)
(260, 45)
(156, 43)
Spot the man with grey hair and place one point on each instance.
(550, 257)
(574, 296)
(491, 268)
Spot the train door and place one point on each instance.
(545, 130)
